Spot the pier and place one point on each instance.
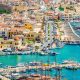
(43, 67)
(6, 72)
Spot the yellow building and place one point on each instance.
(28, 26)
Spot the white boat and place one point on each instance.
(35, 63)
(20, 65)
(68, 62)
(7, 50)
(2, 53)
(43, 53)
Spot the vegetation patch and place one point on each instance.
(4, 9)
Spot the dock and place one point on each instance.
(9, 71)
(50, 66)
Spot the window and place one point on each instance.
(3, 32)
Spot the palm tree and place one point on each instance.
(36, 48)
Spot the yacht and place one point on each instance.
(68, 62)
(43, 53)
(20, 65)
(7, 50)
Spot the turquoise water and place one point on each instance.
(75, 24)
(68, 52)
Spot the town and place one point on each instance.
(36, 28)
(30, 23)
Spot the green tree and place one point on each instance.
(61, 8)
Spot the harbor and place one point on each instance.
(43, 65)
(39, 40)
(36, 68)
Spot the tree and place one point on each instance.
(52, 8)
(61, 8)
(36, 48)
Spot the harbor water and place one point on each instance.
(68, 52)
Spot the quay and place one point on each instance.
(71, 42)
(43, 67)
(13, 71)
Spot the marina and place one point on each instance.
(39, 39)
(44, 65)
(36, 68)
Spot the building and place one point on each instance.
(31, 36)
(28, 26)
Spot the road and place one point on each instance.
(48, 28)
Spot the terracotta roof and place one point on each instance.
(17, 29)
(17, 38)
(46, 1)
(2, 25)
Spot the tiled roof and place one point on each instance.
(17, 29)
(46, 1)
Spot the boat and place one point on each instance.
(35, 75)
(34, 63)
(20, 65)
(53, 53)
(68, 62)
(7, 50)
(43, 53)
(2, 53)
(28, 52)
(71, 68)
